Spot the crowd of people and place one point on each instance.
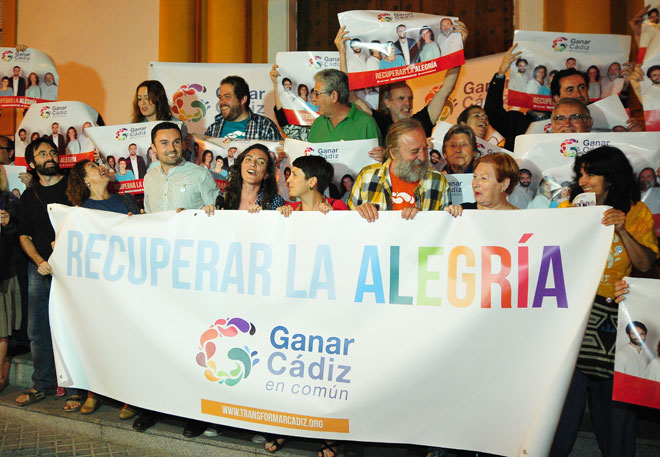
(407, 175)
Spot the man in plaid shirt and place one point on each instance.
(236, 119)
(404, 181)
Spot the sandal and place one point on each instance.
(32, 396)
(328, 446)
(75, 400)
(91, 405)
(273, 446)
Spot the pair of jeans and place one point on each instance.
(41, 345)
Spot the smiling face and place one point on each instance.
(254, 167)
(96, 176)
(71, 133)
(613, 71)
(459, 152)
(446, 27)
(477, 120)
(488, 192)
(593, 183)
(573, 86)
(570, 122)
(655, 76)
(401, 32)
(410, 160)
(168, 147)
(593, 74)
(646, 179)
(525, 179)
(400, 103)
(147, 108)
(522, 66)
(46, 160)
(230, 106)
(347, 182)
(122, 166)
(132, 150)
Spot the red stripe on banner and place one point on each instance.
(69, 160)
(222, 184)
(656, 223)
(652, 120)
(20, 102)
(640, 55)
(299, 117)
(379, 77)
(20, 161)
(530, 101)
(638, 391)
(135, 186)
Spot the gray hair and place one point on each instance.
(574, 102)
(334, 80)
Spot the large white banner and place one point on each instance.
(28, 77)
(362, 331)
(62, 122)
(544, 52)
(346, 157)
(193, 89)
(637, 362)
(391, 46)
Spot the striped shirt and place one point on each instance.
(186, 186)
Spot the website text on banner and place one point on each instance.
(407, 45)
(269, 328)
(66, 123)
(193, 89)
(28, 76)
(637, 360)
(544, 53)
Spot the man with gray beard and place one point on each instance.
(404, 181)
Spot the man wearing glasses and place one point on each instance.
(338, 119)
(236, 119)
(571, 115)
(36, 237)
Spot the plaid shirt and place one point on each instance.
(373, 185)
(257, 128)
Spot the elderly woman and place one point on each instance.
(607, 172)
(252, 185)
(88, 187)
(476, 118)
(123, 174)
(459, 149)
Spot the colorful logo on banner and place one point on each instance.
(547, 128)
(569, 147)
(186, 103)
(45, 112)
(385, 17)
(315, 62)
(242, 358)
(121, 134)
(559, 44)
(8, 56)
(309, 150)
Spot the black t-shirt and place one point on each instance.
(34, 220)
(384, 121)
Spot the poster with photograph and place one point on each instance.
(193, 89)
(11, 175)
(650, 92)
(637, 357)
(391, 46)
(66, 123)
(125, 151)
(649, 39)
(28, 77)
(546, 53)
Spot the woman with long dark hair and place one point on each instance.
(607, 172)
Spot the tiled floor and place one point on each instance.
(21, 439)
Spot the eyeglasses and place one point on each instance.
(573, 118)
(43, 154)
(315, 93)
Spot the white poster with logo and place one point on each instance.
(28, 77)
(460, 186)
(650, 90)
(286, 333)
(484, 147)
(346, 157)
(62, 122)
(126, 152)
(296, 82)
(11, 174)
(193, 89)
(637, 358)
(607, 113)
(553, 155)
(391, 46)
(545, 52)
(649, 39)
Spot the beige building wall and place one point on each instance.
(101, 49)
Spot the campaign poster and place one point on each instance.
(193, 89)
(125, 151)
(608, 115)
(637, 357)
(391, 46)
(649, 39)
(66, 123)
(650, 90)
(549, 158)
(28, 77)
(546, 53)
(11, 176)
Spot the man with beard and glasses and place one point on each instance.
(36, 237)
(633, 358)
(522, 194)
(236, 119)
(404, 180)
